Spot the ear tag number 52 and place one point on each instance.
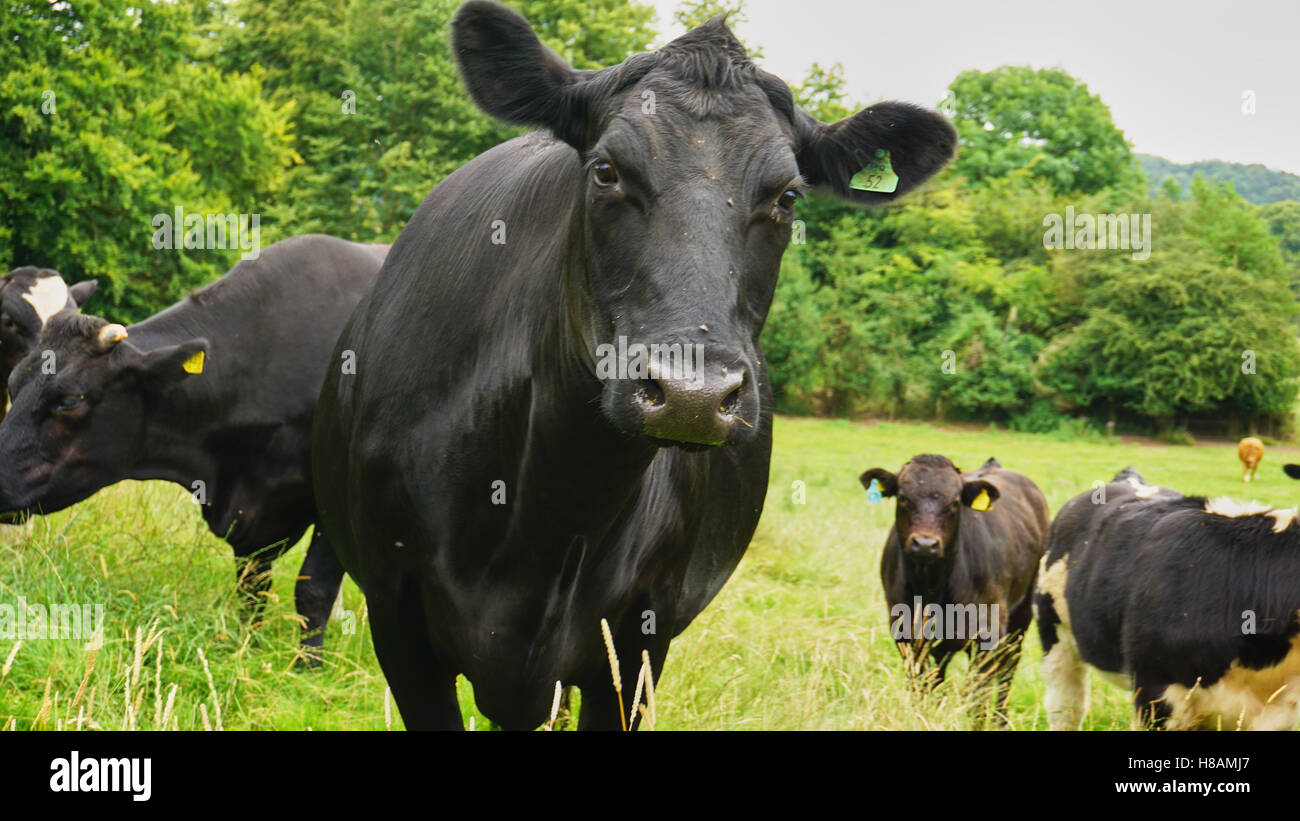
(877, 175)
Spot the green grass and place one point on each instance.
(798, 639)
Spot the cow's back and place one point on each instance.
(271, 323)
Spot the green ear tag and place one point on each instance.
(981, 502)
(877, 175)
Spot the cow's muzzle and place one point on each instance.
(924, 547)
(716, 405)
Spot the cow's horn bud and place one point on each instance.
(110, 335)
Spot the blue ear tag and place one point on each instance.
(873, 493)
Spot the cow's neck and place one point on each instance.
(588, 468)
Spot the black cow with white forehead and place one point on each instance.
(29, 296)
(215, 393)
(494, 495)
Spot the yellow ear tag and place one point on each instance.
(981, 502)
(194, 364)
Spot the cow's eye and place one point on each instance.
(604, 172)
(7, 322)
(69, 403)
(788, 199)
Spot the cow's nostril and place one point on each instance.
(731, 402)
(648, 393)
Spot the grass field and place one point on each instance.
(798, 639)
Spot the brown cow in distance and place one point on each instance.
(959, 565)
(1249, 450)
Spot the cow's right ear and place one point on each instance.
(167, 366)
(1292, 470)
(887, 482)
(514, 76)
(82, 291)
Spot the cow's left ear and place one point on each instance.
(514, 76)
(1292, 470)
(878, 154)
(167, 366)
(82, 291)
(978, 494)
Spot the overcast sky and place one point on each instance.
(1172, 73)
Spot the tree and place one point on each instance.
(1041, 120)
(382, 115)
(1283, 221)
(1178, 334)
(108, 121)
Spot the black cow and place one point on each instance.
(215, 393)
(28, 297)
(488, 476)
(959, 564)
(1189, 602)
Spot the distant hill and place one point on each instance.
(1254, 182)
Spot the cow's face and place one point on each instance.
(28, 297)
(81, 403)
(931, 495)
(692, 162)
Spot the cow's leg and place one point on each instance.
(995, 670)
(997, 666)
(600, 701)
(422, 685)
(1066, 675)
(315, 593)
(1066, 699)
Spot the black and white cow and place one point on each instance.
(1189, 602)
(959, 564)
(28, 297)
(492, 480)
(215, 393)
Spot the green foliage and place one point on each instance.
(1256, 183)
(382, 113)
(1283, 221)
(108, 121)
(1042, 120)
(822, 93)
(1170, 337)
(993, 373)
(1231, 229)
